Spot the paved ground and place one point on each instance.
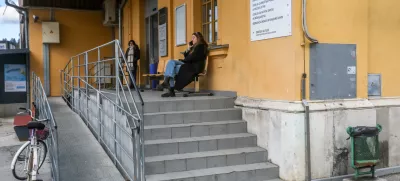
(81, 158)
(9, 144)
(395, 177)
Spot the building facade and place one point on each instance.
(339, 56)
(7, 45)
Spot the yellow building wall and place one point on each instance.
(272, 69)
(383, 47)
(371, 25)
(262, 69)
(347, 26)
(79, 31)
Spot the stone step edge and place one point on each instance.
(182, 99)
(209, 171)
(192, 111)
(193, 124)
(203, 154)
(202, 138)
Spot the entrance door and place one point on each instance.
(152, 38)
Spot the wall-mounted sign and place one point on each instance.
(3, 46)
(180, 25)
(163, 32)
(14, 78)
(270, 19)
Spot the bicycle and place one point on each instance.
(31, 162)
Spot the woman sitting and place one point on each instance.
(192, 65)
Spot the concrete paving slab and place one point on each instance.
(75, 162)
(365, 179)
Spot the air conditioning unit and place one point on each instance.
(110, 13)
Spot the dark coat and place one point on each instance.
(136, 55)
(194, 64)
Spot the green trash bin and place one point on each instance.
(364, 148)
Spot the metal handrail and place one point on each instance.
(77, 90)
(43, 111)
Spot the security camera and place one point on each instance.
(35, 18)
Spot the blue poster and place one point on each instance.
(15, 78)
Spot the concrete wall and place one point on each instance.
(10, 110)
(279, 127)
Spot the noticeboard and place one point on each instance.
(163, 32)
(270, 19)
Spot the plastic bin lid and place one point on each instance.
(22, 120)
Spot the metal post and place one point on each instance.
(79, 86)
(98, 68)
(87, 97)
(135, 153)
(72, 86)
(99, 115)
(141, 134)
(115, 134)
(116, 64)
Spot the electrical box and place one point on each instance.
(110, 12)
(50, 32)
(333, 71)
(374, 85)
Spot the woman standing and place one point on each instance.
(183, 72)
(132, 56)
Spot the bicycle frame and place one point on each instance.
(34, 150)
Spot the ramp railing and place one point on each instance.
(93, 87)
(43, 111)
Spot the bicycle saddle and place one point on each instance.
(36, 125)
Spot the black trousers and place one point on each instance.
(133, 72)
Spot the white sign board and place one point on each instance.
(3, 46)
(14, 78)
(51, 32)
(162, 39)
(180, 25)
(270, 19)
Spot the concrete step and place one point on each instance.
(202, 160)
(199, 144)
(248, 172)
(188, 104)
(180, 117)
(194, 129)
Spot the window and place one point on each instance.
(210, 20)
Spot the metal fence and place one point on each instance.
(93, 86)
(43, 111)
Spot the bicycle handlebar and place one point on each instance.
(27, 110)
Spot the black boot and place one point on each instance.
(171, 93)
(165, 84)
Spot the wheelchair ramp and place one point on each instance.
(81, 158)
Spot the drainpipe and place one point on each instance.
(121, 7)
(306, 128)
(304, 101)
(26, 20)
(304, 23)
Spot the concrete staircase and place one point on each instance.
(202, 139)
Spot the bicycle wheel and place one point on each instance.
(20, 168)
(42, 149)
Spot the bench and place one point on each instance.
(160, 76)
